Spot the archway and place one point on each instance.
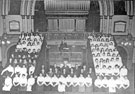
(39, 16)
(93, 22)
(9, 52)
(123, 53)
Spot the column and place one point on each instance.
(105, 24)
(110, 24)
(101, 23)
(23, 23)
(32, 23)
(130, 23)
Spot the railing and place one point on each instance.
(67, 35)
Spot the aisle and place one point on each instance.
(41, 60)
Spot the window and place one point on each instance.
(119, 8)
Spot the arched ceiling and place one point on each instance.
(28, 6)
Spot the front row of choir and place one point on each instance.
(112, 83)
(24, 83)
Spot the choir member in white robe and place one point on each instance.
(69, 83)
(23, 83)
(31, 82)
(88, 83)
(112, 85)
(23, 70)
(40, 82)
(18, 70)
(62, 84)
(81, 83)
(125, 82)
(75, 83)
(116, 71)
(7, 84)
(54, 82)
(16, 82)
(123, 71)
(105, 82)
(47, 82)
(31, 69)
(118, 82)
(98, 82)
(9, 69)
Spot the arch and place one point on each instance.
(6, 53)
(22, 11)
(123, 53)
(100, 4)
(105, 7)
(101, 7)
(108, 7)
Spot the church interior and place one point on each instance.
(67, 46)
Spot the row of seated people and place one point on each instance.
(111, 84)
(63, 79)
(110, 71)
(100, 38)
(30, 42)
(107, 61)
(20, 58)
(100, 57)
(41, 83)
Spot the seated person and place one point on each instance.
(54, 83)
(125, 82)
(88, 83)
(62, 84)
(7, 84)
(98, 82)
(69, 83)
(16, 82)
(81, 83)
(123, 71)
(75, 83)
(31, 82)
(9, 69)
(40, 82)
(112, 85)
(23, 82)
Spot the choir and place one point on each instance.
(19, 75)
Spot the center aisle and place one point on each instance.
(90, 60)
(42, 60)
